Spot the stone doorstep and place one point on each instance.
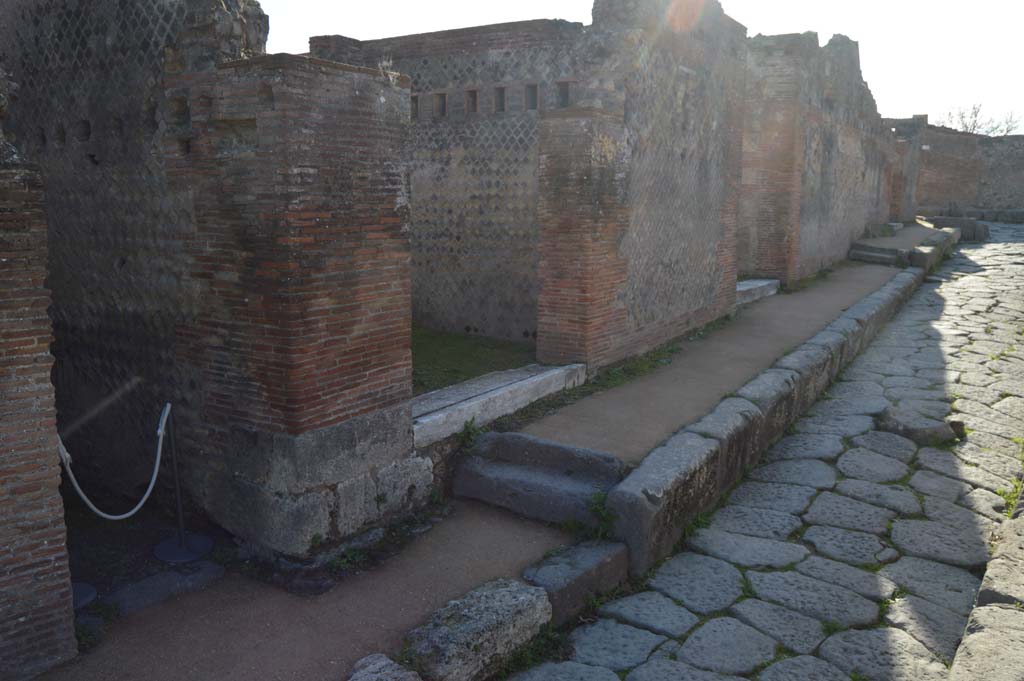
(755, 289)
(442, 413)
(568, 580)
(687, 474)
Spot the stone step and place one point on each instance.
(754, 289)
(876, 256)
(535, 452)
(538, 492)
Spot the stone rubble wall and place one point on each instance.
(818, 164)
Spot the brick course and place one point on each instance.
(36, 621)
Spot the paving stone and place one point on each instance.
(851, 406)
(810, 473)
(927, 482)
(727, 646)
(803, 668)
(932, 409)
(746, 551)
(944, 585)
(884, 654)
(1003, 582)
(797, 632)
(895, 497)
(979, 378)
(700, 583)
(607, 643)
(670, 670)
(993, 647)
(864, 464)
(951, 466)
(814, 598)
(943, 543)
(847, 389)
(566, 671)
(843, 426)
(911, 425)
(755, 522)
(652, 611)
(988, 504)
(806, 446)
(868, 584)
(848, 546)
(1006, 467)
(839, 511)
(887, 443)
(906, 382)
(773, 496)
(995, 443)
(381, 668)
(948, 513)
(668, 650)
(938, 628)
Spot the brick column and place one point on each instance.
(300, 346)
(36, 618)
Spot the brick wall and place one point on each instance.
(300, 344)
(36, 620)
(950, 171)
(639, 188)
(473, 175)
(90, 113)
(819, 164)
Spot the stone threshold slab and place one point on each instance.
(442, 413)
(755, 289)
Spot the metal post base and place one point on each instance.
(82, 594)
(172, 551)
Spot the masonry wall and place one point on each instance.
(951, 167)
(819, 166)
(473, 173)
(300, 345)
(91, 112)
(36, 619)
(640, 186)
(1002, 173)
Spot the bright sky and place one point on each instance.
(918, 56)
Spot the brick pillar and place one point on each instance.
(300, 346)
(36, 618)
(583, 213)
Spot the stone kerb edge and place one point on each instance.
(689, 473)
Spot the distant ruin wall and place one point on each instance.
(301, 429)
(472, 161)
(1002, 173)
(639, 189)
(36, 619)
(818, 164)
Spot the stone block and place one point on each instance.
(993, 646)
(738, 425)
(381, 668)
(574, 576)
(471, 636)
(776, 394)
(655, 502)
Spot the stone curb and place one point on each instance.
(653, 504)
(993, 645)
(689, 473)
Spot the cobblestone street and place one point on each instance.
(851, 552)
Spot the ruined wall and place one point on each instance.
(300, 344)
(818, 162)
(951, 166)
(1002, 173)
(473, 173)
(91, 112)
(36, 622)
(639, 185)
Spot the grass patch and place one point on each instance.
(829, 628)
(549, 644)
(441, 359)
